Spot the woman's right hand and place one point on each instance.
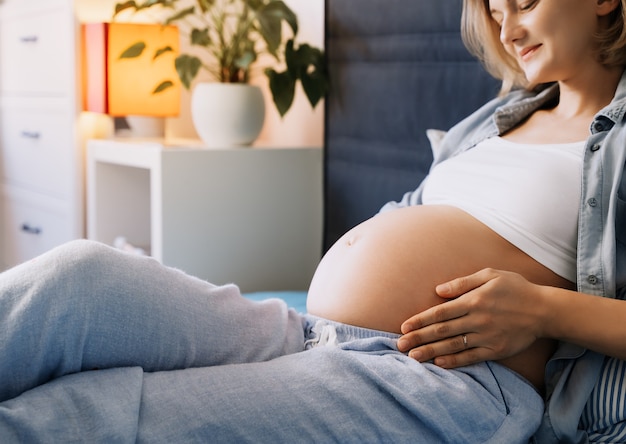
(499, 313)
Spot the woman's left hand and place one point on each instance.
(492, 315)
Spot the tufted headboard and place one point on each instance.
(397, 68)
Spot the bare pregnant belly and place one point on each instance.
(385, 270)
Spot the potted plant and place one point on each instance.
(226, 40)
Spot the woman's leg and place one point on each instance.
(359, 392)
(87, 306)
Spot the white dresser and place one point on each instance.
(41, 158)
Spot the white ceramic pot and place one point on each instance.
(227, 114)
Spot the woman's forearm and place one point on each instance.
(593, 322)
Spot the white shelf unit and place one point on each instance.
(250, 216)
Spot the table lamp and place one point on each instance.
(129, 71)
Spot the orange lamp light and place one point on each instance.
(123, 86)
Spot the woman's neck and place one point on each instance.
(583, 97)
(570, 118)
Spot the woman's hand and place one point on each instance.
(493, 315)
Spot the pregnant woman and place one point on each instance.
(98, 345)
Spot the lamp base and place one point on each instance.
(142, 127)
(95, 126)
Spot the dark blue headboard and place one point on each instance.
(397, 67)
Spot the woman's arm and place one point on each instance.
(501, 314)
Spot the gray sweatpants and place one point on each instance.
(97, 345)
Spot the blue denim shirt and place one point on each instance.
(601, 255)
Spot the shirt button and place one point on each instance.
(595, 147)
(593, 202)
(592, 279)
(598, 126)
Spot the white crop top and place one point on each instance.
(528, 194)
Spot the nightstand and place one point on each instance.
(250, 216)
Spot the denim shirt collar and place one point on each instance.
(616, 110)
(510, 114)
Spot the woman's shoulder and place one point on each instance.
(496, 117)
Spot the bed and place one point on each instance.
(398, 68)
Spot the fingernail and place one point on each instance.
(403, 344)
(417, 355)
(443, 288)
(441, 362)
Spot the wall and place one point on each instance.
(302, 126)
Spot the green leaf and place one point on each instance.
(292, 58)
(307, 64)
(162, 51)
(200, 37)
(180, 15)
(164, 3)
(255, 5)
(271, 31)
(205, 5)
(270, 19)
(133, 51)
(314, 85)
(281, 10)
(163, 86)
(246, 59)
(119, 7)
(283, 88)
(187, 68)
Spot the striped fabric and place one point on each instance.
(604, 416)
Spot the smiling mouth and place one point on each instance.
(528, 51)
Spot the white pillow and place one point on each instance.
(435, 137)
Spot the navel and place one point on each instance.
(352, 240)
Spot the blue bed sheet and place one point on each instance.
(294, 299)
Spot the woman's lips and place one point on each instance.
(528, 51)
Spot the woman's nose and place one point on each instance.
(510, 29)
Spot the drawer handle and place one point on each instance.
(26, 228)
(29, 39)
(31, 134)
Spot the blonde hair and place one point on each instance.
(481, 35)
